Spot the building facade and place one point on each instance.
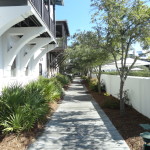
(27, 34)
(56, 56)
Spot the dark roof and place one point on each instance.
(65, 24)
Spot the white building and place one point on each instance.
(143, 54)
(27, 34)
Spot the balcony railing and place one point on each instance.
(44, 13)
(53, 27)
(46, 16)
(38, 5)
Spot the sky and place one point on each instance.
(77, 14)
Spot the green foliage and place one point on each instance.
(13, 95)
(21, 119)
(21, 108)
(70, 76)
(56, 89)
(52, 88)
(34, 87)
(140, 73)
(87, 51)
(86, 78)
(93, 84)
(132, 73)
(123, 23)
(111, 103)
(63, 79)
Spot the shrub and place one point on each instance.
(132, 73)
(63, 79)
(140, 73)
(85, 78)
(57, 90)
(93, 84)
(52, 88)
(20, 120)
(111, 103)
(36, 100)
(21, 107)
(103, 87)
(70, 76)
(11, 98)
(34, 87)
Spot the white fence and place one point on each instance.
(139, 91)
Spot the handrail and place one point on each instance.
(52, 26)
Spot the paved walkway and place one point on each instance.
(79, 124)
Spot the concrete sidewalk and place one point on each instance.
(79, 124)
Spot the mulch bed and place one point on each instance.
(128, 126)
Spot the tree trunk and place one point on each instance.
(122, 105)
(99, 86)
(99, 80)
(90, 75)
(85, 72)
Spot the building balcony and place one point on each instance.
(62, 33)
(45, 9)
(56, 56)
(28, 33)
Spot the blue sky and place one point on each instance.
(77, 13)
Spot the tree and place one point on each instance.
(125, 22)
(88, 52)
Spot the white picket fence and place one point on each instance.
(138, 91)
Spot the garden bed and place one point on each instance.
(26, 109)
(128, 126)
(21, 142)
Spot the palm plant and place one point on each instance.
(21, 108)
